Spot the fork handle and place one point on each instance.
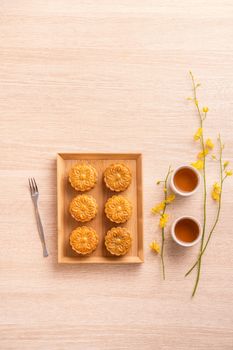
(41, 231)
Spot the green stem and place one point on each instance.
(163, 212)
(162, 258)
(204, 219)
(204, 183)
(218, 211)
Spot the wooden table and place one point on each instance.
(99, 76)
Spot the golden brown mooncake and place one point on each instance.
(117, 177)
(83, 208)
(84, 240)
(118, 241)
(118, 209)
(83, 177)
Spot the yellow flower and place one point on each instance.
(209, 144)
(205, 109)
(198, 134)
(165, 189)
(198, 164)
(201, 155)
(170, 198)
(225, 164)
(216, 191)
(155, 247)
(196, 102)
(158, 208)
(229, 172)
(217, 187)
(163, 220)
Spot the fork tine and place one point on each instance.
(35, 185)
(30, 185)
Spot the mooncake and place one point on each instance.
(117, 177)
(83, 177)
(118, 209)
(83, 208)
(84, 240)
(118, 241)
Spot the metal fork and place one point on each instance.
(35, 195)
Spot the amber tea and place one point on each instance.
(185, 179)
(186, 230)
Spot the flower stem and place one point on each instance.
(204, 185)
(218, 211)
(162, 257)
(163, 212)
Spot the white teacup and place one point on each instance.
(189, 175)
(186, 227)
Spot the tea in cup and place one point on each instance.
(186, 231)
(185, 180)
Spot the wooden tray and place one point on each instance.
(101, 224)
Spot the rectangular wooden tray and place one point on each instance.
(101, 224)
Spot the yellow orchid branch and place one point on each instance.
(217, 196)
(206, 147)
(161, 210)
(201, 165)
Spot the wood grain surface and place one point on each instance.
(111, 76)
